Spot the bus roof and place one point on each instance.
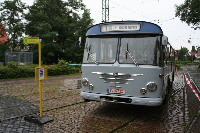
(144, 28)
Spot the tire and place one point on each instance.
(172, 79)
(169, 85)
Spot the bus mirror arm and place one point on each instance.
(79, 41)
(88, 56)
(126, 55)
(88, 52)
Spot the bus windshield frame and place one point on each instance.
(126, 49)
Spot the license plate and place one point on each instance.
(115, 91)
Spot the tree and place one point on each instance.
(3, 43)
(183, 53)
(12, 17)
(193, 49)
(59, 25)
(76, 51)
(189, 12)
(193, 52)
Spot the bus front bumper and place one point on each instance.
(121, 99)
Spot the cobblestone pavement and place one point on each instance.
(20, 97)
(12, 112)
(61, 101)
(177, 113)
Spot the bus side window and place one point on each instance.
(162, 56)
(167, 55)
(164, 51)
(170, 52)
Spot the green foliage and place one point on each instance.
(13, 71)
(198, 69)
(61, 69)
(189, 12)
(59, 26)
(12, 65)
(178, 66)
(183, 53)
(12, 16)
(58, 23)
(62, 63)
(193, 49)
(7, 72)
(3, 48)
(188, 62)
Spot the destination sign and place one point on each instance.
(120, 27)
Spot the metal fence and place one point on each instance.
(22, 58)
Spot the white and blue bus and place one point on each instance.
(127, 62)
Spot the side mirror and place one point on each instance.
(79, 40)
(165, 40)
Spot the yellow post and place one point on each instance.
(40, 81)
(40, 74)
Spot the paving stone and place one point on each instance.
(12, 112)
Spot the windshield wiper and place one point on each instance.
(132, 58)
(90, 55)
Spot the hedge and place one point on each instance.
(186, 62)
(13, 71)
(198, 69)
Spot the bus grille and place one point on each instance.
(117, 78)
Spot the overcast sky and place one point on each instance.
(161, 12)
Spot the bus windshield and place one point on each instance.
(100, 50)
(137, 49)
(142, 50)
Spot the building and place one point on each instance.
(195, 54)
(198, 55)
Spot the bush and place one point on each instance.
(186, 62)
(178, 66)
(198, 69)
(12, 65)
(13, 71)
(62, 63)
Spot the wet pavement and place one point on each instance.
(62, 102)
(177, 110)
(193, 103)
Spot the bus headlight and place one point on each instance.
(85, 82)
(151, 86)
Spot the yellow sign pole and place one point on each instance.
(36, 40)
(40, 74)
(40, 81)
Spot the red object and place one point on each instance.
(3, 35)
(161, 75)
(191, 86)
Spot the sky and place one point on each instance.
(161, 12)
